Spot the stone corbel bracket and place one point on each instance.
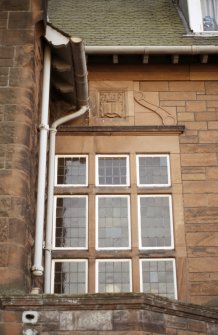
(165, 116)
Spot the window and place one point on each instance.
(112, 222)
(112, 170)
(153, 170)
(70, 222)
(113, 276)
(72, 170)
(69, 276)
(155, 222)
(209, 14)
(203, 15)
(158, 276)
(114, 231)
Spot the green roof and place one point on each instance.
(123, 22)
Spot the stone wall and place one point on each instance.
(20, 68)
(188, 94)
(120, 314)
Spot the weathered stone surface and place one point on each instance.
(18, 113)
(4, 76)
(20, 20)
(14, 207)
(212, 329)
(189, 86)
(176, 322)
(199, 251)
(18, 37)
(206, 116)
(208, 136)
(196, 125)
(211, 87)
(153, 86)
(207, 264)
(7, 186)
(185, 117)
(87, 320)
(3, 20)
(124, 320)
(202, 239)
(200, 187)
(18, 157)
(152, 321)
(201, 215)
(140, 315)
(10, 5)
(190, 136)
(196, 106)
(15, 133)
(24, 55)
(4, 229)
(3, 255)
(198, 148)
(177, 95)
(22, 77)
(205, 288)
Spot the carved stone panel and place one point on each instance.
(164, 116)
(112, 104)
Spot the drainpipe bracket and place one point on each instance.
(37, 270)
(44, 126)
(53, 130)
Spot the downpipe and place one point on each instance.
(51, 172)
(37, 268)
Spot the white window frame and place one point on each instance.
(138, 156)
(171, 247)
(67, 261)
(70, 156)
(112, 156)
(159, 260)
(54, 223)
(97, 225)
(112, 260)
(196, 18)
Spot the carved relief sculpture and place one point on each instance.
(166, 118)
(112, 104)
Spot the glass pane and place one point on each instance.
(72, 170)
(112, 171)
(70, 277)
(113, 222)
(210, 14)
(155, 222)
(158, 277)
(71, 222)
(153, 170)
(114, 276)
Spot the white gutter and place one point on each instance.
(152, 50)
(44, 128)
(48, 243)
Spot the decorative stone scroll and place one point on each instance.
(166, 118)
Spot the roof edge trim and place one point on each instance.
(146, 50)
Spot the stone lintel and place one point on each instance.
(117, 130)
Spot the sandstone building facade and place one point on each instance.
(135, 190)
